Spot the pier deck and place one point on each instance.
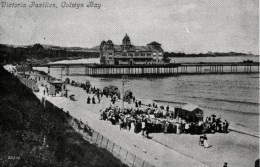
(160, 69)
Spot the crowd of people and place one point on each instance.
(97, 92)
(149, 118)
(216, 125)
(146, 119)
(155, 120)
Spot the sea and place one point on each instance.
(233, 97)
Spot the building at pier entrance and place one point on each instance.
(129, 54)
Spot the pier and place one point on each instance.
(158, 69)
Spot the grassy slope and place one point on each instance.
(24, 124)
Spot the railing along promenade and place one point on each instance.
(159, 69)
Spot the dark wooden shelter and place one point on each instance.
(190, 112)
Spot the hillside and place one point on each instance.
(209, 54)
(39, 53)
(16, 54)
(31, 135)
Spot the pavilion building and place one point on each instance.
(128, 54)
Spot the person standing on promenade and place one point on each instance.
(98, 93)
(136, 104)
(225, 164)
(93, 100)
(128, 123)
(88, 100)
(113, 100)
(201, 141)
(220, 127)
(213, 127)
(205, 142)
(121, 123)
(226, 126)
(187, 127)
(140, 103)
(148, 128)
(143, 127)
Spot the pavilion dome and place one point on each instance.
(102, 44)
(126, 40)
(109, 42)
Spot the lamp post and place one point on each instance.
(36, 74)
(61, 73)
(61, 69)
(124, 80)
(62, 86)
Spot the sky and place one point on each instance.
(189, 26)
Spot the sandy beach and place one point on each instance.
(163, 149)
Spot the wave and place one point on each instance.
(241, 124)
(209, 107)
(225, 100)
(212, 99)
(166, 101)
(233, 111)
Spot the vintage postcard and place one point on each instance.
(129, 83)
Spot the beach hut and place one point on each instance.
(105, 90)
(190, 112)
(57, 86)
(113, 90)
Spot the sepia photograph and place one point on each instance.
(119, 83)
